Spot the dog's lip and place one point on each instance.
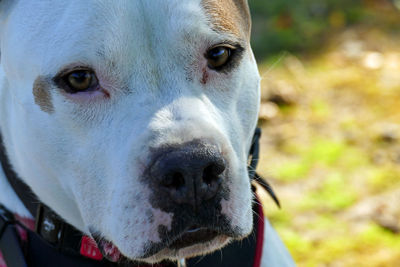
(194, 229)
(192, 236)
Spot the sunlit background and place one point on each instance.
(330, 115)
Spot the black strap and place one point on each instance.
(11, 248)
(10, 245)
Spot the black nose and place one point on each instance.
(190, 173)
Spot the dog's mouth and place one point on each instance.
(192, 236)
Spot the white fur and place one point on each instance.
(85, 159)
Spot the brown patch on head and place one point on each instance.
(41, 92)
(232, 16)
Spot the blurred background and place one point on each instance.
(330, 115)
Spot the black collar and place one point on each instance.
(61, 242)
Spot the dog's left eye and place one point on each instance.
(81, 80)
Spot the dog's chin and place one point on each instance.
(187, 248)
(191, 243)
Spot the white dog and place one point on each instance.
(132, 120)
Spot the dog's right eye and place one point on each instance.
(81, 80)
(223, 57)
(219, 56)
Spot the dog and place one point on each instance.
(133, 119)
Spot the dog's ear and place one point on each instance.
(243, 5)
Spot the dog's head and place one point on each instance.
(133, 119)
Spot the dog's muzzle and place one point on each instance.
(189, 181)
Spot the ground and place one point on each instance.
(331, 149)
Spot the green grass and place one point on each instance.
(325, 154)
(382, 179)
(322, 153)
(335, 194)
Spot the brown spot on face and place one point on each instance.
(232, 16)
(41, 92)
(205, 76)
(106, 93)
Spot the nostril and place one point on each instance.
(211, 172)
(174, 180)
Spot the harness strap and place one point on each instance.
(10, 244)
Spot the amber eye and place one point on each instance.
(219, 56)
(81, 80)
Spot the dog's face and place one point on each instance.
(133, 119)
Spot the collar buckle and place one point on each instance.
(49, 226)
